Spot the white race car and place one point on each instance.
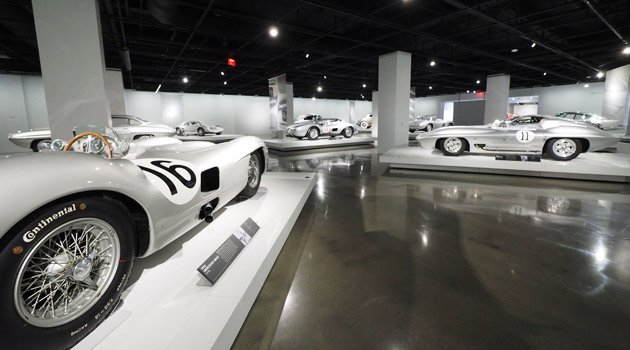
(366, 122)
(197, 127)
(74, 222)
(127, 126)
(427, 123)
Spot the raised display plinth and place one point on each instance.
(211, 138)
(169, 305)
(587, 166)
(292, 144)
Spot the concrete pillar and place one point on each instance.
(412, 103)
(394, 84)
(374, 113)
(352, 117)
(616, 95)
(290, 116)
(73, 65)
(115, 91)
(497, 94)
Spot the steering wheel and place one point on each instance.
(108, 147)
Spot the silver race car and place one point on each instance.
(197, 127)
(125, 125)
(592, 119)
(558, 138)
(314, 126)
(427, 123)
(87, 209)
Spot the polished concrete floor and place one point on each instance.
(428, 260)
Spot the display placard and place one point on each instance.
(518, 157)
(219, 261)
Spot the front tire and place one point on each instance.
(254, 171)
(452, 146)
(201, 132)
(64, 269)
(312, 133)
(364, 125)
(428, 128)
(563, 149)
(347, 132)
(179, 132)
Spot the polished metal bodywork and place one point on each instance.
(192, 127)
(40, 178)
(325, 127)
(125, 125)
(427, 123)
(521, 134)
(366, 122)
(591, 119)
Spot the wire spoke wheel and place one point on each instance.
(253, 171)
(67, 272)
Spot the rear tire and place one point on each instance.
(347, 132)
(86, 249)
(428, 128)
(201, 132)
(254, 171)
(179, 132)
(312, 133)
(452, 146)
(563, 149)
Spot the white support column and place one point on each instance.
(394, 84)
(497, 94)
(73, 65)
(616, 103)
(115, 91)
(290, 116)
(375, 114)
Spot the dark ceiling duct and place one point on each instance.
(164, 11)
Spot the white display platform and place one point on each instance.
(211, 138)
(293, 144)
(169, 305)
(587, 166)
(364, 131)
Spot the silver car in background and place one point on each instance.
(591, 119)
(427, 123)
(558, 138)
(127, 126)
(197, 127)
(314, 126)
(366, 122)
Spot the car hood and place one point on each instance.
(456, 131)
(298, 124)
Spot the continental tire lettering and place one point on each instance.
(78, 330)
(30, 235)
(122, 281)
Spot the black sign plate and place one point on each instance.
(518, 157)
(219, 261)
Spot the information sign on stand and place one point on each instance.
(219, 261)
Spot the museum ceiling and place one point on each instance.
(336, 44)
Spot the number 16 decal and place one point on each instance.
(177, 181)
(523, 136)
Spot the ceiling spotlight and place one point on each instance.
(430, 87)
(600, 74)
(306, 55)
(319, 89)
(533, 44)
(222, 73)
(474, 91)
(478, 81)
(362, 96)
(185, 79)
(545, 73)
(225, 82)
(432, 64)
(273, 32)
(586, 86)
(324, 77)
(626, 51)
(364, 85)
(514, 50)
(313, 98)
(467, 91)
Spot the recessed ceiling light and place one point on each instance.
(626, 51)
(306, 55)
(467, 91)
(185, 79)
(586, 86)
(533, 44)
(319, 89)
(324, 77)
(225, 82)
(313, 98)
(514, 50)
(222, 73)
(474, 91)
(478, 81)
(430, 87)
(545, 73)
(273, 32)
(364, 85)
(600, 74)
(432, 63)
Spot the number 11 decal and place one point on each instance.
(525, 136)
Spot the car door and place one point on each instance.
(524, 134)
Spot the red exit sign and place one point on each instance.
(480, 94)
(231, 62)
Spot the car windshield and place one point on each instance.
(530, 119)
(90, 142)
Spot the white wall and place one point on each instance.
(13, 116)
(530, 108)
(35, 98)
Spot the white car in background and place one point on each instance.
(591, 119)
(427, 123)
(127, 126)
(366, 122)
(197, 127)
